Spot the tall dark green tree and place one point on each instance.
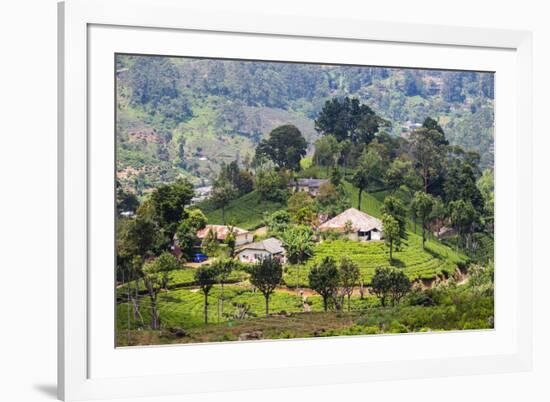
(324, 278)
(349, 277)
(285, 147)
(206, 277)
(241, 179)
(380, 284)
(392, 237)
(399, 174)
(389, 284)
(360, 180)
(186, 233)
(463, 217)
(270, 184)
(224, 267)
(266, 276)
(370, 169)
(222, 194)
(429, 149)
(346, 147)
(348, 119)
(326, 152)
(168, 203)
(422, 204)
(125, 200)
(461, 180)
(395, 208)
(155, 275)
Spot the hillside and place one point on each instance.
(184, 117)
(246, 212)
(436, 259)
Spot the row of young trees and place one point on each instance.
(335, 282)
(265, 275)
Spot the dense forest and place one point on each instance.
(187, 117)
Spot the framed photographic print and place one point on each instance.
(258, 201)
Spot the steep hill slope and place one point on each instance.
(182, 116)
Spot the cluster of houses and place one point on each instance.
(354, 224)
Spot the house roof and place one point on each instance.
(360, 221)
(310, 182)
(221, 231)
(271, 245)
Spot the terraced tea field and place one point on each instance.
(436, 259)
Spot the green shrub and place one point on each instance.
(398, 328)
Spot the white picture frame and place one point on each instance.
(89, 365)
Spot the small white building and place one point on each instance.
(257, 251)
(311, 186)
(201, 194)
(359, 225)
(221, 231)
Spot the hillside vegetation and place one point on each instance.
(185, 117)
(365, 221)
(246, 212)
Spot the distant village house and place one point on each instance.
(311, 186)
(257, 251)
(359, 225)
(201, 194)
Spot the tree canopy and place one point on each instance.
(348, 119)
(285, 147)
(266, 276)
(324, 278)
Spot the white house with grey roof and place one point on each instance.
(311, 186)
(259, 250)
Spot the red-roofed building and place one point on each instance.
(221, 231)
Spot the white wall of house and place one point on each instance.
(244, 238)
(252, 256)
(374, 235)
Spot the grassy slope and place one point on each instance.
(245, 212)
(180, 278)
(436, 259)
(184, 307)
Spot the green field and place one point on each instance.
(245, 212)
(184, 307)
(473, 311)
(436, 259)
(180, 278)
